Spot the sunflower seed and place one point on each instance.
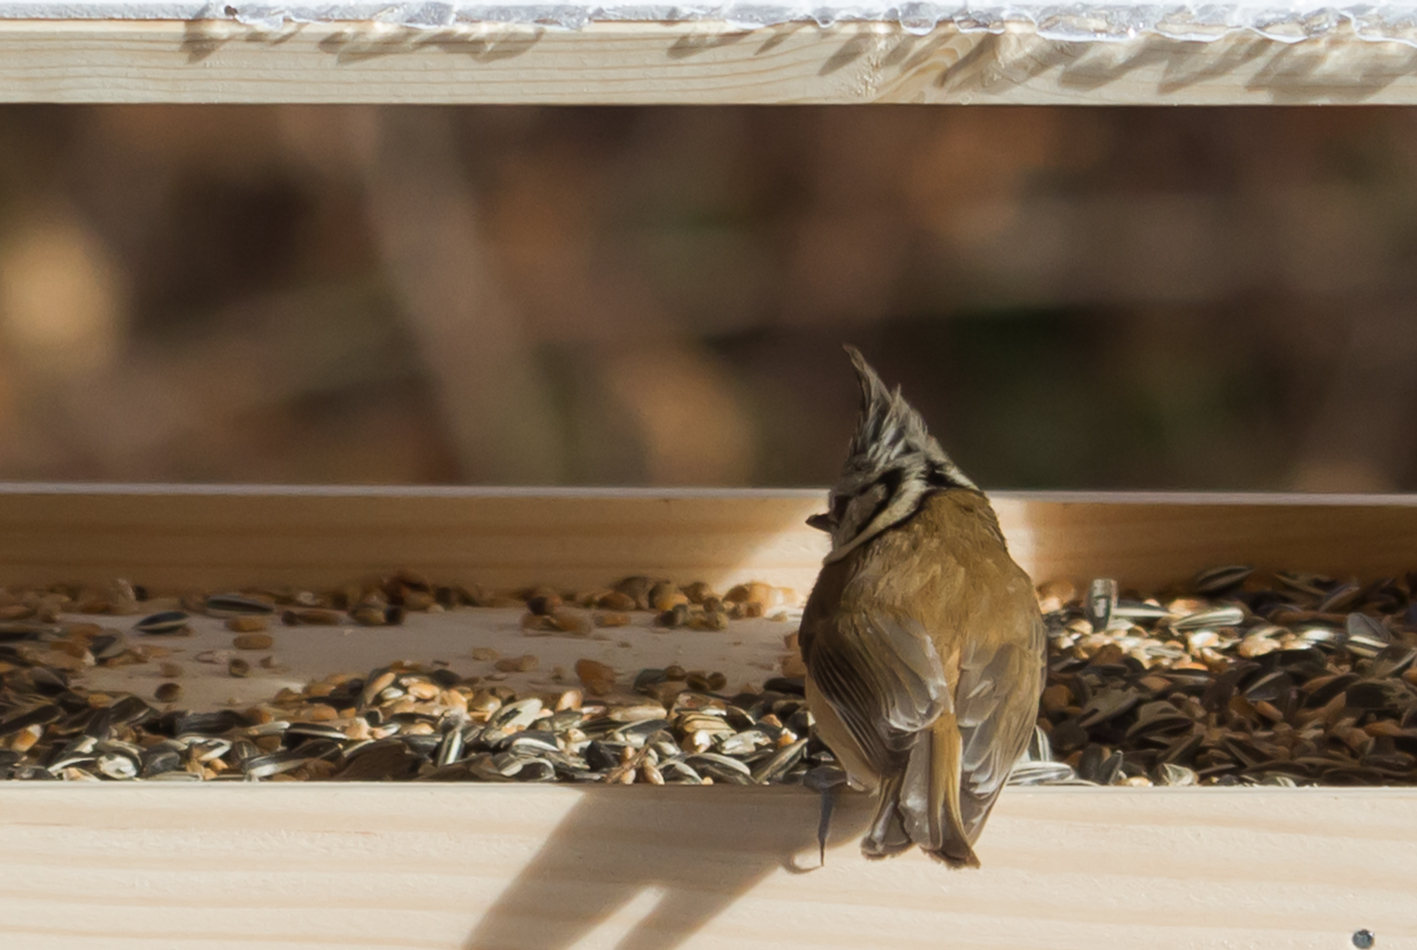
(1217, 580)
(1210, 619)
(1101, 599)
(166, 622)
(223, 606)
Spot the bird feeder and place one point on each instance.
(474, 865)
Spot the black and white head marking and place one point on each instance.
(892, 465)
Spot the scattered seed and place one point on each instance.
(315, 617)
(665, 596)
(368, 615)
(1228, 679)
(253, 641)
(571, 621)
(543, 601)
(616, 602)
(167, 622)
(636, 590)
(598, 679)
(237, 605)
(517, 664)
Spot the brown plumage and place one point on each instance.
(922, 637)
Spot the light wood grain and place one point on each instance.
(544, 868)
(1148, 540)
(495, 867)
(179, 539)
(704, 62)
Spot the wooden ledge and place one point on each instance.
(516, 867)
(183, 538)
(493, 867)
(676, 63)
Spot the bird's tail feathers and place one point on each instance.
(887, 835)
(921, 805)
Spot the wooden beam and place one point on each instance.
(494, 867)
(695, 62)
(1147, 540)
(175, 541)
(173, 538)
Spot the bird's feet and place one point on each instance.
(826, 779)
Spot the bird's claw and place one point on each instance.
(826, 779)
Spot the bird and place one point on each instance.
(922, 638)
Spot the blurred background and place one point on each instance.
(1075, 298)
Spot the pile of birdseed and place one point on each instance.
(1227, 679)
(1231, 678)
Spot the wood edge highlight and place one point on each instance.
(641, 62)
(183, 541)
(546, 867)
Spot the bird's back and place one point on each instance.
(924, 650)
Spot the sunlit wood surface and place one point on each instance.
(547, 868)
(705, 62)
(543, 868)
(177, 539)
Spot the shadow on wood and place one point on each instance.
(700, 850)
(386, 866)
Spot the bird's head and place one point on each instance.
(892, 465)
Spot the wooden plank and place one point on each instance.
(1147, 540)
(545, 868)
(492, 867)
(183, 538)
(192, 540)
(701, 62)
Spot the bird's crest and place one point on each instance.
(892, 464)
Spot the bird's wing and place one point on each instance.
(994, 730)
(882, 676)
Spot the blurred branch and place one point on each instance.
(493, 396)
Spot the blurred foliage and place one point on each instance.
(1075, 298)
